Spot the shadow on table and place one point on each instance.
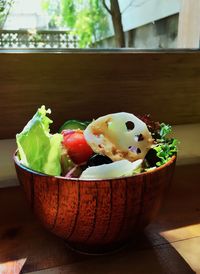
(132, 259)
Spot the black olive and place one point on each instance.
(98, 160)
(152, 158)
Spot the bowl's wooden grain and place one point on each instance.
(97, 215)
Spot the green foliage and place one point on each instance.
(166, 147)
(4, 10)
(53, 8)
(45, 4)
(165, 130)
(166, 150)
(69, 13)
(85, 18)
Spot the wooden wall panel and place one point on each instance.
(89, 84)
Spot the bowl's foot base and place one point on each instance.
(97, 250)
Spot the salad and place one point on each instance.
(112, 146)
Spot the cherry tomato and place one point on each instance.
(77, 148)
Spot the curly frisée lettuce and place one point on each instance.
(37, 148)
(165, 147)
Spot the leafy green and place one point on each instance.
(86, 20)
(38, 149)
(74, 124)
(165, 147)
(165, 151)
(5, 6)
(164, 130)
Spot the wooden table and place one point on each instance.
(171, 244)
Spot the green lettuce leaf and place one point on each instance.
(38, 149)
(166, 147)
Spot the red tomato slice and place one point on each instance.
(77, 148)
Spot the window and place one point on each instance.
(88, 23)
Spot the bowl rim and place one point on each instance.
(153, 170)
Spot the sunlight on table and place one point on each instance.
(186, 241)
(12, 266)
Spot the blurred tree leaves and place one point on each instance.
(86, 19)
(5, 6)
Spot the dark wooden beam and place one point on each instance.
(85, 85)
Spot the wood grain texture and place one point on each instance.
(169, 245)
(189, 24)
(90, 84)
(86, 231)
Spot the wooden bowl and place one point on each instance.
(95, 216)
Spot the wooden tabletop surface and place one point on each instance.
(171, 244)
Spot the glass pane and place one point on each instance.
(143, 24)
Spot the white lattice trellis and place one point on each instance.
(39, 39)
